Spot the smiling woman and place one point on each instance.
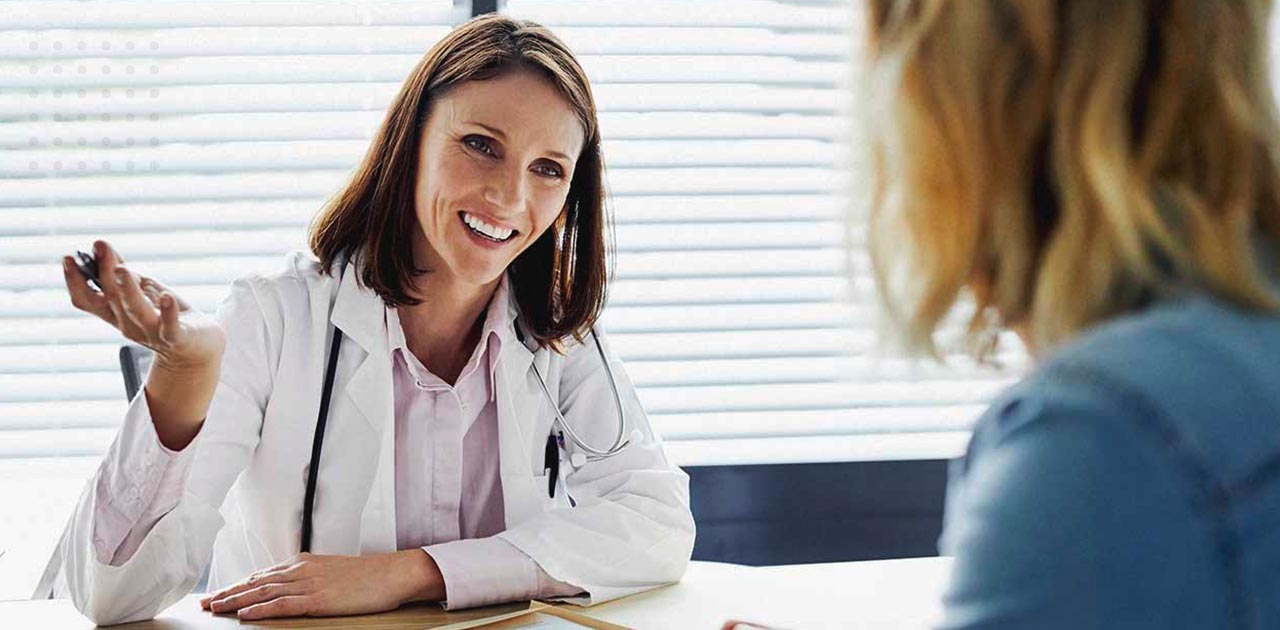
(466, 263)
(507, 119)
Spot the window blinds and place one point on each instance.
(200, 137)
(744, 307)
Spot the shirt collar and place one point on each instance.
(499, 322)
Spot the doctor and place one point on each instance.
(463, 267)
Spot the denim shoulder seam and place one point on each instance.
(1149, 418)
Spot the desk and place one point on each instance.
(885, 595)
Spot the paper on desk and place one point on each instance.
(538, 616)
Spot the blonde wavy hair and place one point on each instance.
(1068, 160)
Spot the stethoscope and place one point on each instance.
(555, 441)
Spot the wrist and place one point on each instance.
(419, 576)
(179, 367)
(178, 398)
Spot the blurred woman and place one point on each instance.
(465, 267)
(1100, 177)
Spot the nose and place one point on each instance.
(505, 189)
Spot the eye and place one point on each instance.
(549, 170)
(479, 143)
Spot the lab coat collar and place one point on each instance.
(517, 356)
(499, 328)
(358, 311)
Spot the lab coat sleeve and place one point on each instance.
(631, 529)
(138, 482)
(169, 561)
(484, 571)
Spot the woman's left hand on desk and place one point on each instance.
(320, 586)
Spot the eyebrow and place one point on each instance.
(502, 136)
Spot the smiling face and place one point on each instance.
(494, 167)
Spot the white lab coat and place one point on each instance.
(631, 529)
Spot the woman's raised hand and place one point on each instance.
(145, 311)
(188, 345)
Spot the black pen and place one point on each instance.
(88, 268)
(551, 464)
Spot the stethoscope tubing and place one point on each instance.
(619, 441)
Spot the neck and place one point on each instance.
(446, 326)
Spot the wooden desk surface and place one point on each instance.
(885, 595)
(59, 614)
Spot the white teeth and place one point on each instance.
(492, 231)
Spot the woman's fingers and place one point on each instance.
(136, 306)
(277, 574)
(288, 606)
(107, 262)
(151, 287)
(106, 259)
(83, 296)
(256, 595)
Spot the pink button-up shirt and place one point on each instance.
(448, 486)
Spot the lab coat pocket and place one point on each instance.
(562, 495)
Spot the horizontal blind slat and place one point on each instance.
(746, 264)
(701, 292)
(308, 184)
(257, 213)
(80, 328)
(683, 427)
(18, 105)
(832, 396)
(358, 125)
(98, 72)
(263, 242)
(607, 13)
(395, 38)
(241, 157)
(147, 14)
(107, 413)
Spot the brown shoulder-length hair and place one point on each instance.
(560, 281)
(1070, 160)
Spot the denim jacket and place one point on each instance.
(1132, 481)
